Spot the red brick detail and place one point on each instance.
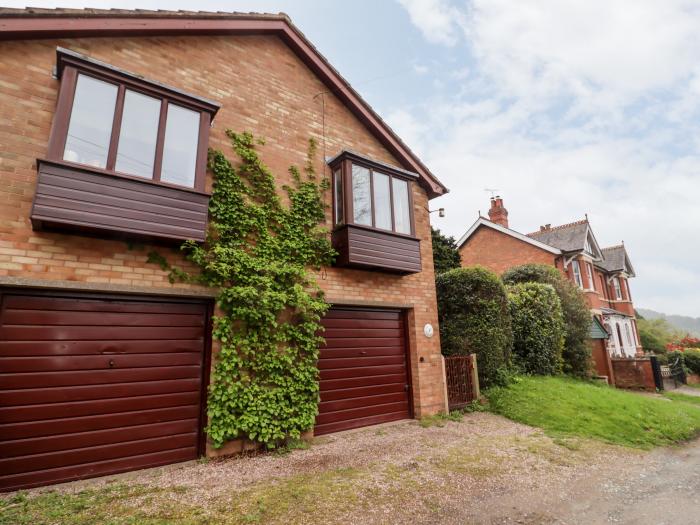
(499, 252)
(601, 360)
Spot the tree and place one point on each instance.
(474, 318)
(538, 328)
(655, 334)
(445, 254)
(577, 316)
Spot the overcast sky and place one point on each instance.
(565, 107)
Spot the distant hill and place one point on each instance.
(684, 323)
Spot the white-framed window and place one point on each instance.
(628, 335)
(618, 289)
(589, 271)
(576, 270)
(587, 246)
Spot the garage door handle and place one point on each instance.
(405, 387)
(363, 353)
(111, 363)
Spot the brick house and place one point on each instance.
(105, 121)
(601, 273)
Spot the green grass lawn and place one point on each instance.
(675, 396)
(564, 406)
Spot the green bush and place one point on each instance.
(654, 334)
(538, 328)
(577, 317)
(474, 318)
(692, 361)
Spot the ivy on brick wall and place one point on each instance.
(258, 254)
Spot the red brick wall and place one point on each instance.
(601, 360)
(262, 87)
(499, 252)
(634, 373)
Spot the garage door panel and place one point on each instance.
(363, 391)
(85, 393)
(367, 342)
(355, 413)
(107, 362)
(79, 456)
(361, 324)
(96, 333)
(96, 377)
(363, 401)
(348, 424)
(363, 369)
(332, 353)
(56, 427)
(362, 314)
(115, 466)
(44, 303)
(332, 385)
(37, 445)
(77, 318)
(92, 386)
(100, 406)
(48, 348)
(360, 361)
(366, 332)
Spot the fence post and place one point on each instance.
(475, 378)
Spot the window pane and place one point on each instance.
(382, 201)
(138, 134)
(402, 214)
(361, 199)
(90, 127)
(339, 217)
(180, 147)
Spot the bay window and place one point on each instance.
(589, 271)
(576, 270)
(121, 124)
(618, 289)
(373, 215)
(377, 196)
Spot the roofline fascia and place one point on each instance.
(512, 233)
(76, 26)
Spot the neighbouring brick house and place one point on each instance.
(105, 121)
(602, 273)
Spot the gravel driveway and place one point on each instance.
(484, 469)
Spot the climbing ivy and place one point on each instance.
(257, 254)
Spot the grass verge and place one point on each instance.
(675, 396)
(563, 406)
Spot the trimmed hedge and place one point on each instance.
(577, 316)
(692, 361)
(538, 328)
(474, 318)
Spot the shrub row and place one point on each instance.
(533, 319)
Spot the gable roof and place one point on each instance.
(482, 221)
(37, 23)
(616, 260)
(569, 237)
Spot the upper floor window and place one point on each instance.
(576, 270)
(618, 289)
(589, 271)
(118, 123)
(371, 194)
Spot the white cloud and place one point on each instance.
(572, 108)
(437, 20)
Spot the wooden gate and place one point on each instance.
(462, 380)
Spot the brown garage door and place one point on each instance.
(364, 370)
(93, 386)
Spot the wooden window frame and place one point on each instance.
(576, 265)
(70, 64)
(343, 163)
(617, 288)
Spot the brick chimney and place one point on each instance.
(497, 213)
